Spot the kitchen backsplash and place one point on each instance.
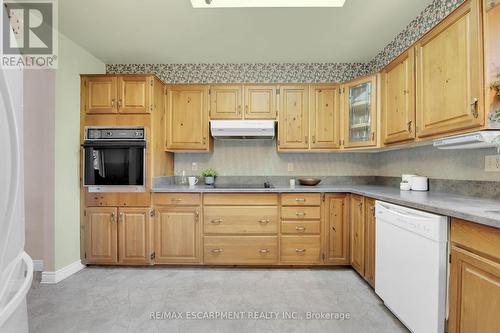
(259, 158)
(294, 72)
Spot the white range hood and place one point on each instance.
(482, 139)
(242, 129)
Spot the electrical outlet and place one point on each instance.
(492, 163)
(290, 167)
(194, 166)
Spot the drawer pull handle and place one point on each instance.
(263, 251)
(300, 199)
(176, 199)
(300, 214)
(217, 251)
(300, 250)
(216, 221)
(264, 221)
(300, 228)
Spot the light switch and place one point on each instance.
(492, 163)
(290, 167)
(194, 166)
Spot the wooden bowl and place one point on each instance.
(309, 181)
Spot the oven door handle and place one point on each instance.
(113, 144)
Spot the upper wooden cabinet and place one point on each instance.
(293, 124)
(107, 94)
(187, 118)
(336, 229)
(225, 102)
(398, 99)
(360, 112)
(449, 74)
(260, 101)
(324, 117)
(242, 102)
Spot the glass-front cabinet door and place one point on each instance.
(360, 113)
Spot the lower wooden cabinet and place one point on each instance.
(117, 235)
(474, 293)
(357, 234)
(101, 235)
(241, 250)
(177, 235)
(336, 229)
(370, 241)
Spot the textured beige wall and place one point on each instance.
(232, 158)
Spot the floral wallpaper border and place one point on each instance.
(294, 72)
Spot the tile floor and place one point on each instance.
(107, 299)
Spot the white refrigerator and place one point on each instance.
(16, 267)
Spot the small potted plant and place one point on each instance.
(209, 175)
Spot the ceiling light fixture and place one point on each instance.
(265, 3)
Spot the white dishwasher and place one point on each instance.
(411, 258)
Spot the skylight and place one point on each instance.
(265, 3)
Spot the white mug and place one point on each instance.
(192, 181)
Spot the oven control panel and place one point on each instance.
(114, 133)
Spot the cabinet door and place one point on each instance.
(325, 117)
(225, 102)
(134, 236)
(178, 235)
(370, 241)
(187, 121)
(101, 235)
(398, 99)
(134, 94)
(260, 102)
(361, 112)
(474, 293)
(100, 94)
(357, 234)
(449, 74)
(293, 124)
(336, 230)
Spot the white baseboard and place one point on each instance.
(38, 265)
(61, 274)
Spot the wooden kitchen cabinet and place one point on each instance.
(398, 99)
(357, 234)
(225, 102)
(370, 241)
(360, 112)
(324, 117)
(449, 74)
(100, 94)
(177, 235)
(101, 235)
(293, 124)
(187, 118)
(336, 229)
(108, 94)
(474, 291)
(260, 101)
(134, 236)
(134, 94)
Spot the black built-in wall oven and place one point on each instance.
(114, 159)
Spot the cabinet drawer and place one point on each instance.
(240, 250)
(240, 219)
(239, 199)
(300, 249)
(301, 199)
(300, 227)
(300, 213)
(182, 199)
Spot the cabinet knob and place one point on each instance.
(409, 126)
(113, 217)
(264, 251)
(473, 107)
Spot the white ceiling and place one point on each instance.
(171, 31)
